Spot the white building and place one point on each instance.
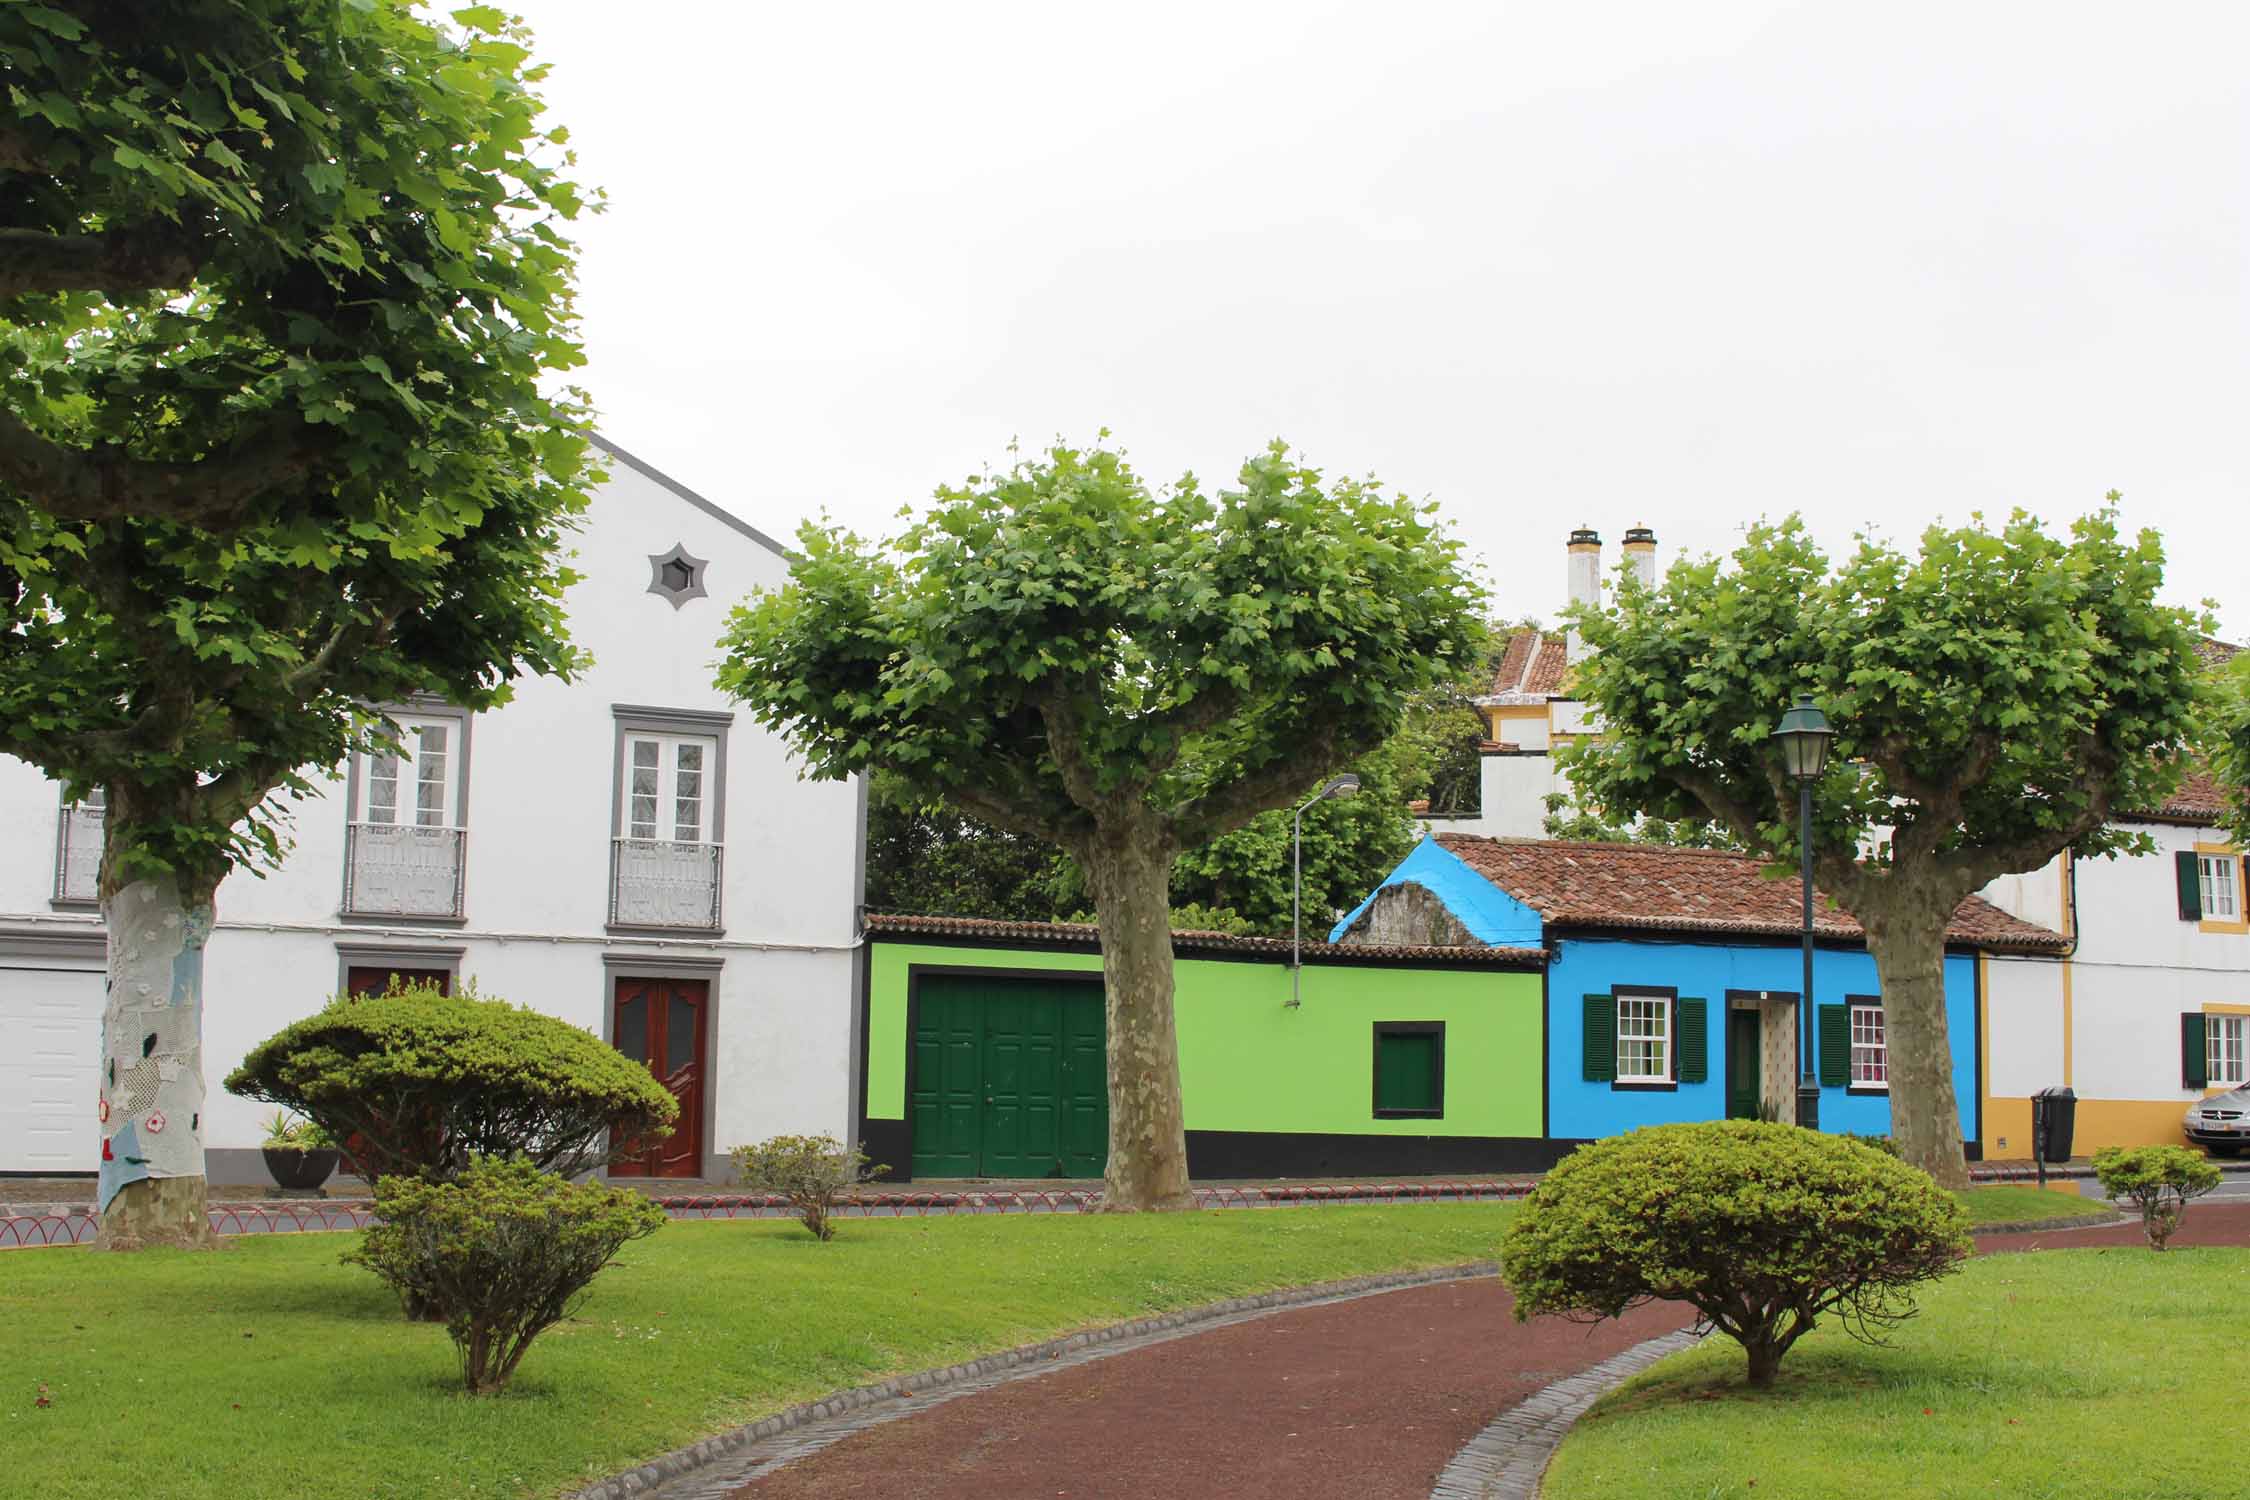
(627, 852)
(1528, 711)
(2150, 1010)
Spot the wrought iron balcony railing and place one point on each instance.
(660, 883)
(401, 870)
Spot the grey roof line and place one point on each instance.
(709, 508)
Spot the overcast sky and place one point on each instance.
(1546, 264)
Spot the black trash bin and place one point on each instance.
(2054, 1120)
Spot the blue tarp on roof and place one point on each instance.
(1491, 915)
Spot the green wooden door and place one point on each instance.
(1745, 1065)
(1010, 1078)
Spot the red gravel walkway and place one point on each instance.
(1360, 1400)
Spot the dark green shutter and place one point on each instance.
(1406, 1071)
(1601, 1039)
(1695, 1041)
(2191, 887)
(2195, 1069)
(1835, 1045)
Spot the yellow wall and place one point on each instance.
(2101, 1122)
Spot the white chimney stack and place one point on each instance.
(1584, 575)
(1640, 551)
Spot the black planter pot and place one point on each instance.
(301, 1171)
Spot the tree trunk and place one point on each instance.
(1765, 1362)
(1130, 870)
(1909, 950)
(151, 1189)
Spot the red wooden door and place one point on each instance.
(359, 980)
(659, 1024)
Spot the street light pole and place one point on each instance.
(1803, 736)
(1346, 785)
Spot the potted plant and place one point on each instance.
(298, 1153)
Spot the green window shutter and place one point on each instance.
(1835, 1045)
(1695, 1041)
(2195, 1070)
(1406, 1071)
(2191, 886)
(1601, 1039)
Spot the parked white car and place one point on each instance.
(2221, 1123)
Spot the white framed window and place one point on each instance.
(1871, 1059)
(418, 786)
(669, 786)
(2223, 1050)
(2218, 875)
(1644, 1038)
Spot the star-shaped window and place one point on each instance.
(677, 575)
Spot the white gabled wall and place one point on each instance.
(538, 809)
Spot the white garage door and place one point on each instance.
(50, 1060)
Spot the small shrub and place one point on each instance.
(2158, 1180)
(287, 1132)
(1762, 1228)
(811, 1171)
(417, 1082)
(501, 1253)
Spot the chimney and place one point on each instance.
(1640, 551)
(1584, 574)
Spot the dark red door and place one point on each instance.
(366, 981)
(659, 1024)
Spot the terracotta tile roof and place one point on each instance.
(1691, 890)
(2200, 801)
(1532, 665)
(1086, 935)
(2216, 653)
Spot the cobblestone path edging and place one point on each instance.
(1507, 1459)
(718, 1465)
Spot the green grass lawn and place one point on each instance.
(2010, 1203)
(270, 1369)
(2051, 1375)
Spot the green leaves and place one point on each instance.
(1056, 645)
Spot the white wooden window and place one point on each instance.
(668, 787)
(1644, 1039)
(2223, 1050)
(2222, 899)
(1871, 1058)
(419, 787)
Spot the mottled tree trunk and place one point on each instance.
(1908, 945)
(1130, 870)
(151, 1187)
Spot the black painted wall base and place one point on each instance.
(1258, 1153)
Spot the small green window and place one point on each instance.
(1409, 1069)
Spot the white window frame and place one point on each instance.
(669, 751)
(2226, 1050)
(1647, 1006)
(405, 781)
(2218, 877)
(1868, 1053)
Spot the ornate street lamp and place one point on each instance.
(1804, 738)
(1346, 785)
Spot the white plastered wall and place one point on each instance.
(539, 813)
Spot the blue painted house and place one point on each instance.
(1674, 975)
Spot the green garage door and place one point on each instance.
(1010, 1078)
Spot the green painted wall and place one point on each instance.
(1249, 1062)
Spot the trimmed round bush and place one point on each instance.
(416, 1082)
(500, 1254)
(1762, 1228)
(2158, 1180)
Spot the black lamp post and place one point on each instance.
(1346, 785)
(1804, 736)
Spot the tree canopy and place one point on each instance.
(1996, 697)
(264, 261)
(1065, 654)
(279, 288)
